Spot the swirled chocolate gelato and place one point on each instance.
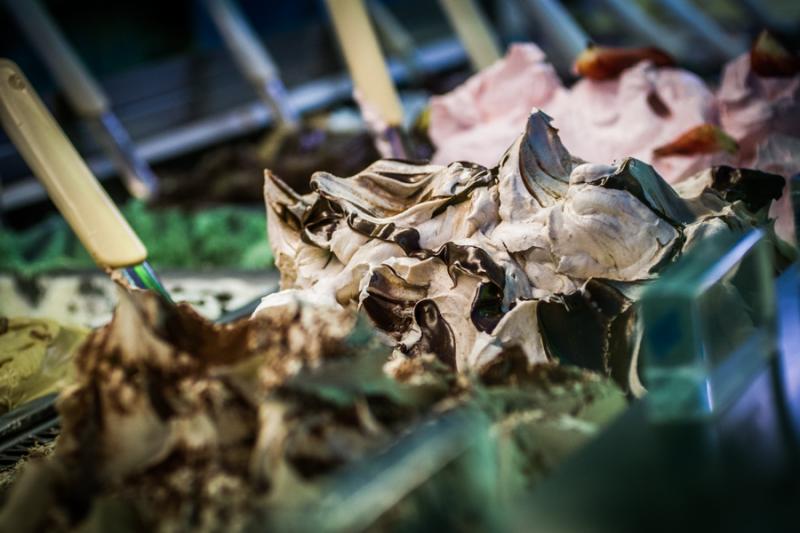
(542, 255)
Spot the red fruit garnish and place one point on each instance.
(605, 62)
(702, 139)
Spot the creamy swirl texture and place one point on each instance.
(471, 263)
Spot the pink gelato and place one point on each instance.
(646, 107)
(480, 119)
(780, 154)
(597, 120)
(751, 107)
(643, 109)
(762, 112)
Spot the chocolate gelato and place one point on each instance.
(176, 424)
(232, 173)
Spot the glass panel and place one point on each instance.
(442, 474)
(709, 324)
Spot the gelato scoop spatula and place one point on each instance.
(377, 93)
(73, 188)
(253, 58)
(473, 31)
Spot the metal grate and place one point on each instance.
(12, 451)
(34, 423)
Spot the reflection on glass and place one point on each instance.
(709, 324)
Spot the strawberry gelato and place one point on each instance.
(597, 120)
(638, 111)
(759, 105)
(480, 119)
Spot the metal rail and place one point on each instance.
(243, 119)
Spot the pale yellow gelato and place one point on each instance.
(35, 358)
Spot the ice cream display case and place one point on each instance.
(734, 435)
(365, 265)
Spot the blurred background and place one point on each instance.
(191, 114)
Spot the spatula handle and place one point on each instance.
(473, 31)
(364, 59)
(250, 54)
(252, 57)
(70, 184)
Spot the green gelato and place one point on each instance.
(231, 237)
